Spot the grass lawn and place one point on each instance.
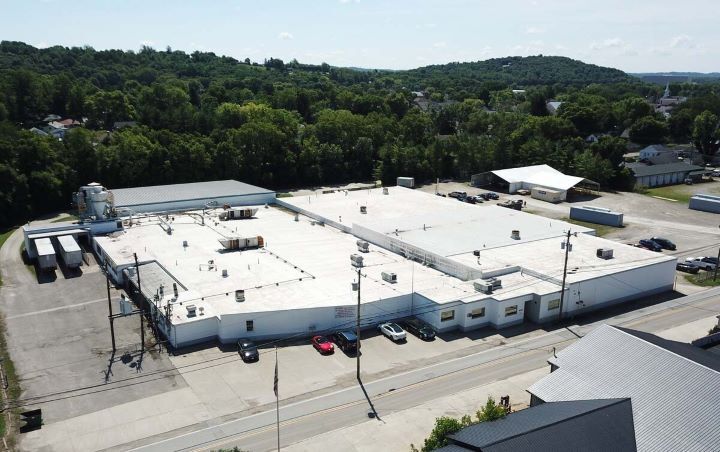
(679, 193)
(704, 279)
(600, 229)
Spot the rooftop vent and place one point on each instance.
(363, 246)
(515, 234)
(483, 286)
(385, 191)
(604, 253)
(240, 295)
(191, 310)
(363, 209)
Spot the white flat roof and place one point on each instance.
(302, 266)
(124, 197)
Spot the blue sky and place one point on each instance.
(632, 35)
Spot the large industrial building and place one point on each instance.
(286, 267)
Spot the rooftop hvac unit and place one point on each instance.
(385, 191)
(357, 260)
(495, 282)
(191, 310)
(605, 253)
(224, 273)
(515, 234)
(363, 209)
(389, 277)
(240, 295)
(483, 286)
(363, 246)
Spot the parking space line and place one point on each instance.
(59, 308)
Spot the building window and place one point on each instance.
(510, 310)
(447, 315)
(249, 325)
(553, 304)
(475, 313)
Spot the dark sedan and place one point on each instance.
(649, 244)
(248, 350)
(664, 243)
(419, 329)
(687, 267)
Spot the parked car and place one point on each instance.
(470, 200)
(687, 267)
(706, 263)
(441, 194)
(523, 192)
(492, 195)
(419, 329)
(346, 340)
(248, 350)
(715, 173)
(457, 194)
(393, 331)
(649, 244)
(322, 344)
(664, 243)
(688, 181)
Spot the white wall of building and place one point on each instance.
(195, 204)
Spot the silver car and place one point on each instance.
(393, 331)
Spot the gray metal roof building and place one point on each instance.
(587, 425)
(663, 174)
(190, 196)
(674, 387)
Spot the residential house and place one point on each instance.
(674, 388)
(579, 425)
(553, 106)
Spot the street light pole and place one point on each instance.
(357, 329)
(562, 291)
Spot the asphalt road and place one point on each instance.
(347, 407)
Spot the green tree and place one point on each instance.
(705, 132)
(491, 411)
(649, 130)
(106, 107)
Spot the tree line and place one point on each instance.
(201, 117)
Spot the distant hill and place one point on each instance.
(677, 77)
(519, 72)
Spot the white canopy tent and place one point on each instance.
(528, 177)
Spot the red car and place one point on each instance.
(322, 344)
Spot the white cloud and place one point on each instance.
(534, 30)
(285, 36)
(608, 44)
(682, 42)
(42, 45)
(349, 1)
(440, 44)
(147, 43)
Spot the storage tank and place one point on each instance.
(69, 251)
(45, 254)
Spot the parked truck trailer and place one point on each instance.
(45, 254)
(69, 251)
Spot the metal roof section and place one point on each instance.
(587, 425)
(675, 395)
(641, 169)
(543, 175)
(128, 197)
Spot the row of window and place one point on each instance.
(480, 312)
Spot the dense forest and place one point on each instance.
(280, 124)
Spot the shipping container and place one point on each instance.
(408, 182)
(546, 194)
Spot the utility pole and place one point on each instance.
(110, 313)
(357, 330)
(142, 306)
(562, 291)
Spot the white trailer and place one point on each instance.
(408, 182)
(45, 254)
(69, 251)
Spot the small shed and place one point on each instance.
(597, 215)
(408, 182)
(547, 194)
(705, 203)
